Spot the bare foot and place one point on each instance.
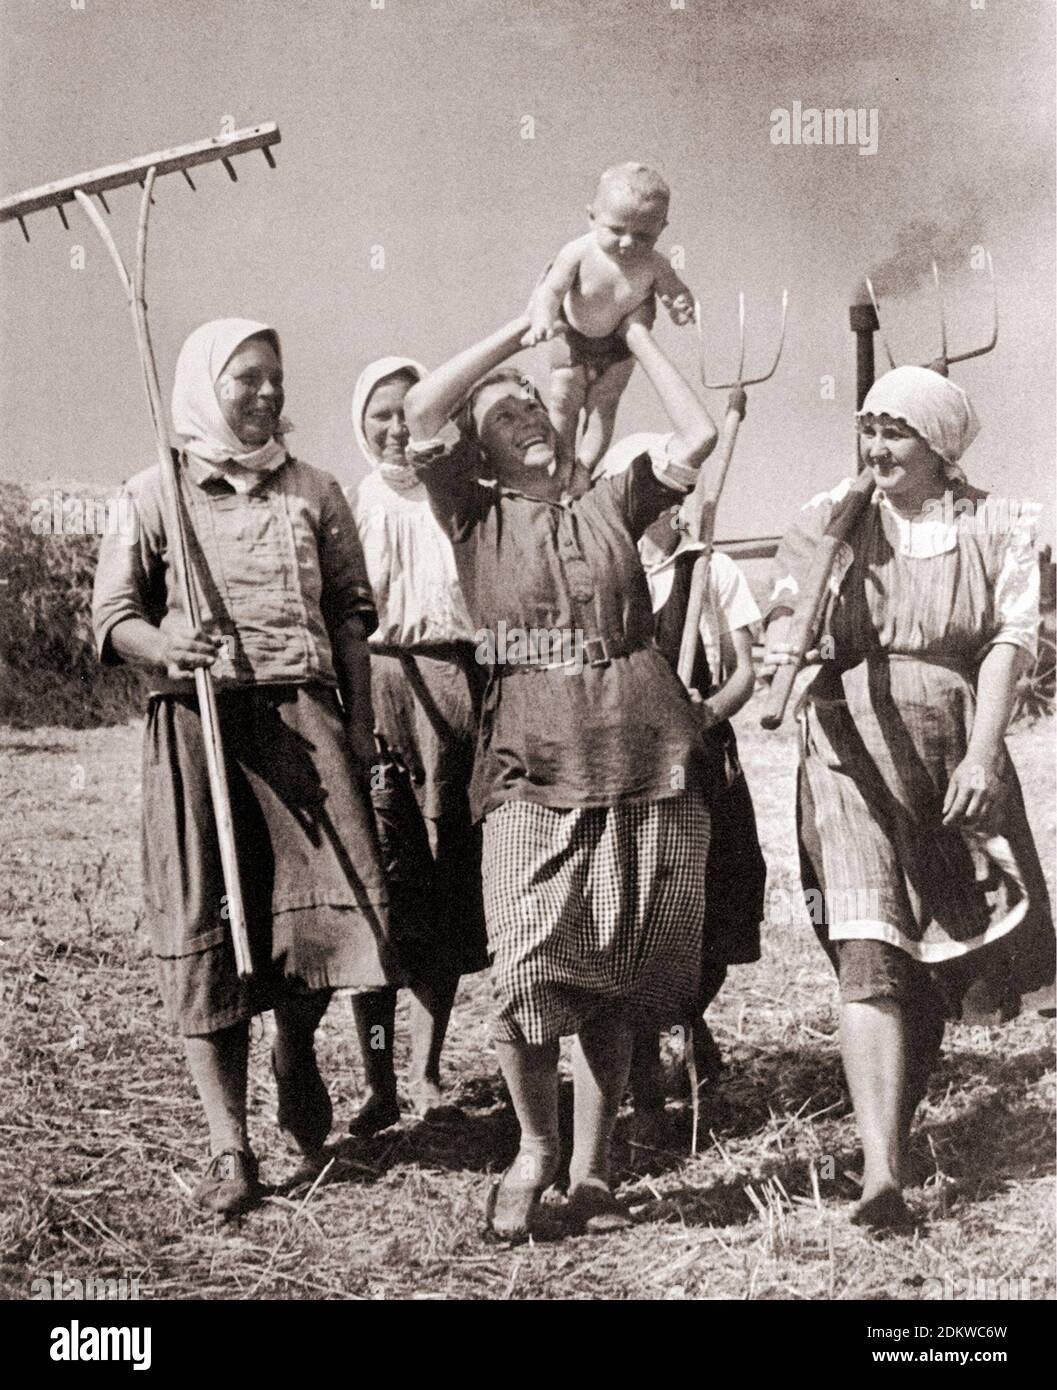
(882, 1210)
(512, 1201)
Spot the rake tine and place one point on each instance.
(62, 216)
(231, 170)
(877, 311)
(944, 356)
(990, 344)
(268, 156)
(106, 205)
(189, 179)
(22, 224)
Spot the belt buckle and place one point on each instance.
(599, 642)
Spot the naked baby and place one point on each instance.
(589, 287)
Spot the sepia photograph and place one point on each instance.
(527, 666)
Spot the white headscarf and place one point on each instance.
(196, 414)
(934, 408)
(400, 476)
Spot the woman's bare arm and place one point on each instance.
(171, 654)
(694, 429)
(736, 657)
(971, 790)
(431, 402)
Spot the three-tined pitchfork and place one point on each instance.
(812, 600)
(144, 171)
(700, 509)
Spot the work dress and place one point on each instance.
(426, 690)
(590, 771)
(905, 906)
(277, 569)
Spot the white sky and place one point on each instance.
(402, 128)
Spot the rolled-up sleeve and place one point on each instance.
(346, 589)
(1016, 602)
(123, 576)
(445, 467)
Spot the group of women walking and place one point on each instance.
(557, 810)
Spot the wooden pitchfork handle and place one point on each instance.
(702, 527)
(174, 526)
(804, 628)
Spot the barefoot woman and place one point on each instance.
(911, 820)
(595, 827)
(285, 608)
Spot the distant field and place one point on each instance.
(102, 1138)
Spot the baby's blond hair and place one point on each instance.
(637, 181)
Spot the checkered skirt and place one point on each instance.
(594, 911)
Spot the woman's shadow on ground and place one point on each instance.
(985, 1144)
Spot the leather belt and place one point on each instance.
(595, 651)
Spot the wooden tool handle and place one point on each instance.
(804, 627)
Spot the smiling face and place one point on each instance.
(250, 391)
(905, 469)
(383, 420)
(517, 438)
(626, 227)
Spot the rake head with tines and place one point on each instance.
(946, 359)
(81, 189)
(177, 160)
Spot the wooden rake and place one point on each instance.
(704, 501)
(803, 632)
(80, 189)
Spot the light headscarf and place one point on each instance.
(934, 408)
(398, 475)
(196, 414)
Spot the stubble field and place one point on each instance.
(101, 1139)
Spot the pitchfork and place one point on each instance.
(811, 603)
(943, 363)
(701, 527)
(701, 507)
(79, 188)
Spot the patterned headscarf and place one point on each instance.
(934, 408)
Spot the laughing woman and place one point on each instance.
(589, 758)
(426, 691)
(910, 818)
(285, 610)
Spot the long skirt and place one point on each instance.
(901, 902)
(594, 913)
(309, 864)
(426, 701)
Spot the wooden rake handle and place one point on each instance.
(176, 530)
(802, 633)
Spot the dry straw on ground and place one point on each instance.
(102, 1137)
